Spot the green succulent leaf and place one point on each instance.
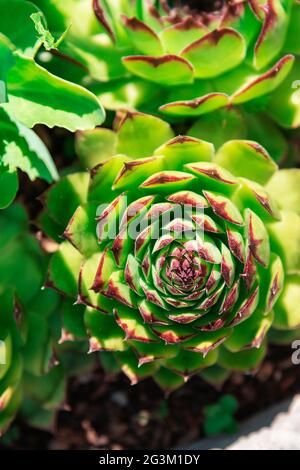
(207, 53)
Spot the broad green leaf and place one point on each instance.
(16, 25)
(36, 96)
(9, 185)
(21, 148)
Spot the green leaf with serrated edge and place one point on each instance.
(168, 380)
(251, 333)
(38, 97)
(95, 146)
(62, 200)
(283, 104)
(129, 365)
(256, 198)
(105, 334)
(22, 149)
(187, 362)
(17, 26)
(284, 188)
(103, 176)
(247, 159)
(167, 70)
(244, 85)
(207, 54)
(285, 240)
(81, 230)
(213, 177)
(64, 270)
(242, 361)
(182, 150)
(287, 308)
(257, 238)
(140, 134)
(44, 35)
(9, 184)
(272, 35)
(197, 106)
(49, 226)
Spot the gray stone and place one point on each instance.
(276, 429)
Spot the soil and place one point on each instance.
(105, 412)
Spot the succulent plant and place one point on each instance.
(181, 255)
(33, 366)
(149, 54)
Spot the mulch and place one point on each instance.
(105, 412)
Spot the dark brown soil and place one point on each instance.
(105, 412)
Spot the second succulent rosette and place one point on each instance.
(182, 256)
(157, 54)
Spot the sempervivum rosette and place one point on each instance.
(178, 252)
(188, 61)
